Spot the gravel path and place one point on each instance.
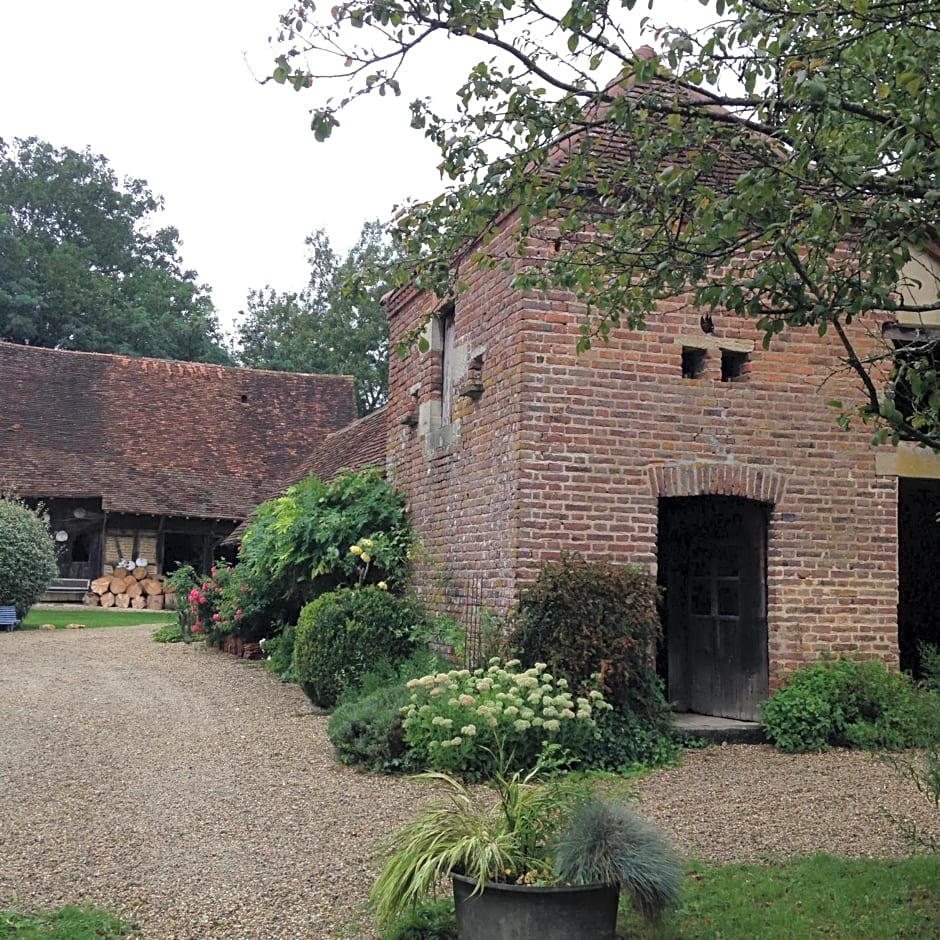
(197, 796)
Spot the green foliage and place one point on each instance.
(924, 767)
(366, 730)
(850, 703)
(279, 653)
(478, 838)
(930, 667)
(609, 842)
(183, 582)
(587, 619)
(366, 725)
(66, 923)
(345, 634)
(27, 555)
(626, 742)
(336, 325)
(779, 165)
(298, 546)
(82, 266)
(473, 724)
(212, 603)
(169, 633)
(434, 920)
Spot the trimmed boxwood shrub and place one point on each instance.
(850, 703)
(27, 555)
(345, 634)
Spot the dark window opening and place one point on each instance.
(693, 362)
(733, 365)
(183, 548)
(446, 325)
(81, 548)
(244, 399)
(918, 551)
(916, 375)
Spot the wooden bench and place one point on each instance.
(8, 619)
(65, 586)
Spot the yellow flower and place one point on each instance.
(366, 543)
(364, 556)
(382, 586)
(355, 550)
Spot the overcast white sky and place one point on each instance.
(164, 92)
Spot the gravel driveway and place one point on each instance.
(197, 796)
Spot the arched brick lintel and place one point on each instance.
(716, 479)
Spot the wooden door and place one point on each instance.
(712, 565)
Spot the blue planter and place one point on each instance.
(518, 912)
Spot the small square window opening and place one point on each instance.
(733, 365)
(693, 362)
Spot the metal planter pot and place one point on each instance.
(518, 912)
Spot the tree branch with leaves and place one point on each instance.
(780, 163)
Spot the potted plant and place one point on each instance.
(531, 861)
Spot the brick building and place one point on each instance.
(714, 463)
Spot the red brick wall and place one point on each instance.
(464, 496)
(571, 452)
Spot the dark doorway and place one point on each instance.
(184, 548)
(918, 569)
(712, 569)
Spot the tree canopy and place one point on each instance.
(335, 325)
(83, 267)
(779, 164)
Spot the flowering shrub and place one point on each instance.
(473, 723)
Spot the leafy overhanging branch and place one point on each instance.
(781, 164)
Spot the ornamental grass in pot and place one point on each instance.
(540, 845)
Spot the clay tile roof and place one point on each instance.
(157, 436)
(358, 445)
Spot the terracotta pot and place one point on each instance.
(519, 912)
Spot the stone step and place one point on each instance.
(719, 730)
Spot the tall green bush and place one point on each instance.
(27, 555)
(347, 633)
(587, 619)
(183, 582)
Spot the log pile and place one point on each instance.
(138, 589)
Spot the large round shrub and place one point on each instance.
(27, 556)
(344, 634)
(850, 703)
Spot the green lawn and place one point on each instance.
(67, 923)
(95, 617)
(822, 896)
(796, 899)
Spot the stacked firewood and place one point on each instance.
(139, 589)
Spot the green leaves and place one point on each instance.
(27, 555)
(83, 266)
(337, 325)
